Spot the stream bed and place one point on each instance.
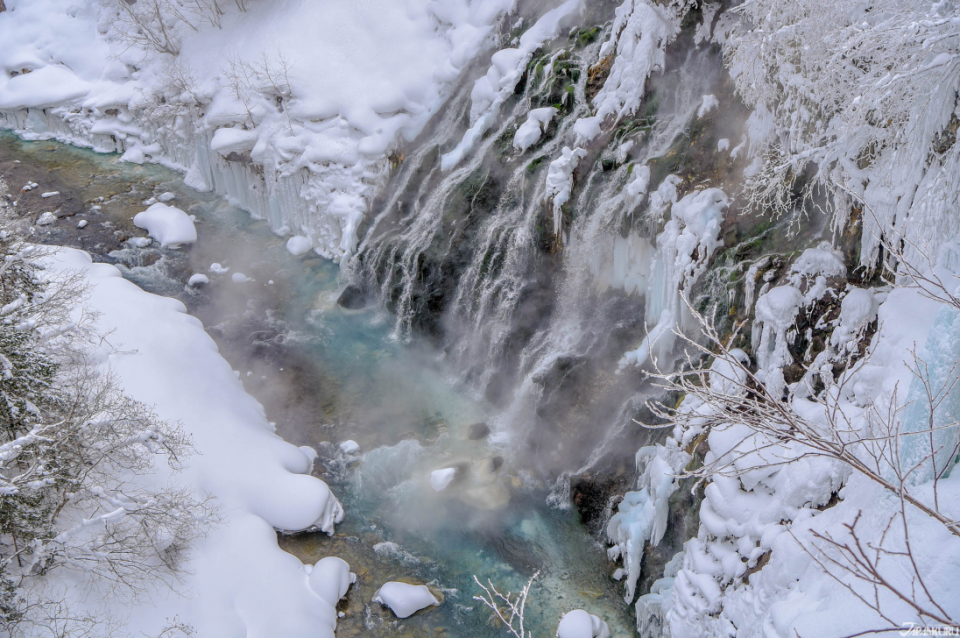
(326, 375)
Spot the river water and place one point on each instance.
(326, 375)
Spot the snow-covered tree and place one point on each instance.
(860, 95)
(75, 457)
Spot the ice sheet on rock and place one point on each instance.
(168, 225)
(560, 182)
(405, 599)
(582, 624)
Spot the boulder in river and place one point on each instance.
(352, 298)
(478, 431)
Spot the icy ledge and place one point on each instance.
(238, 582)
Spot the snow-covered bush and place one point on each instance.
(72, 451)
(857, 99)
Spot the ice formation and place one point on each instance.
(162, 357)
(685, 245)
(560, 181)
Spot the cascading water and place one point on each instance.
(533, 319)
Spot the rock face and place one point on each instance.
(352, 298)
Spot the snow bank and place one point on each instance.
(580, 624)
(405, 600)
(168, 225)
(284, 108)
(238, 583)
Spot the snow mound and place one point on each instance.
(405, 600)
(441, 479)
(581, 624)
(198, 279)
(168, 225)
(822, 260)
(330, 578)
(299, 245)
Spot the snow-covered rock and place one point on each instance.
(581, 624)
(298, 245)
(350, 447)
(46, 219)
(441, 479)
(168, 225)
(531, 130)
(404, 599)
(330, 578)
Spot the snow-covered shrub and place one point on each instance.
(73, 450)
(858, 99)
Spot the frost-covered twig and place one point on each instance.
(511, 615)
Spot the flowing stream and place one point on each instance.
(326, 375)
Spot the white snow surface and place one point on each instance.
(581, 624)
(238, 583)
(531, 130)
(298, 245)
(441, 479)
(168, 225)
(354, 78)
(405, 599)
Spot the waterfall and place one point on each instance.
(535, 319)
